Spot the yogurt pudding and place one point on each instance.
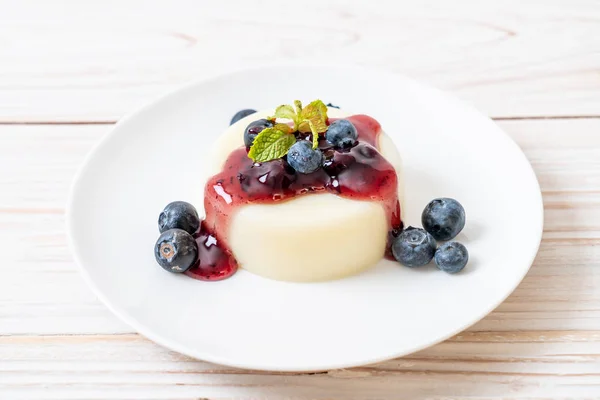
(276, 222)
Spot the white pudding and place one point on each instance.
(312, 237)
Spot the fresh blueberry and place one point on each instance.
(176, 250)
(303, 158)
(180, 215)
(254, 128)
(451, 257)
(332, 106)
(241, 114)
(413, 247)
(342, 134)
(444, 218)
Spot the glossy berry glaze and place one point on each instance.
(359, 173)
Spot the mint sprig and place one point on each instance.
(273, 143)
(312, 118)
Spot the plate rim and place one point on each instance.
(171, 345)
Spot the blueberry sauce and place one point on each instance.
(213, 262)
(358, 173)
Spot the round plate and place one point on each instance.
(155, 155)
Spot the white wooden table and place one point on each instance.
(69, 70)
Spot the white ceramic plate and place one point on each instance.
(154, 155)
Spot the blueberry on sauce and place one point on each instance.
(342, 134)
(303, 158)
(253, 129)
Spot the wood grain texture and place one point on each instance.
(69, 69)
(543, 342)
(492, 365)
(84, 61)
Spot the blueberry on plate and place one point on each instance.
(414, 247)
(451, 257)
(180, 215)
(254, 128)
(303, 158)
(176, 250)
(241, 114)
(444, 218)
(342, 134)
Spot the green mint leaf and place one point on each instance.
(315, 135)
(313, 118)
(316, 110)
(283, 128)
(312, 125)
(286, 111)
(307, 126)
(298, 105)
(271, 144)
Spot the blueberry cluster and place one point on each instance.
(176, 249)
(341, 134)
(442, 220)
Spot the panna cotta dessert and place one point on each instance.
(301, 194)
(276, 220)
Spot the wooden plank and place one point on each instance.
(42, 291)
(483, 365)
(76, 61)
(73, 62)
